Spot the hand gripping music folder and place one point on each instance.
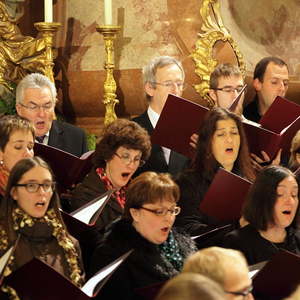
(67, 168)
(85, 217)
(178, 121)
(45, 283)
(278, 127)
(225, 196)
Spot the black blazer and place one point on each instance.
(68, 138)
(157, 161)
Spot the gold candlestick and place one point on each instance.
(47, 31)
(109, 33)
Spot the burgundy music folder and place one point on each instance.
(178, 120)
(279, 277)
(45, 283)
(67, 168)
(86, 216)
(225, 196)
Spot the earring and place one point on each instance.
(1, 162)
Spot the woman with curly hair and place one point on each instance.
(30, 211)
(222, 143)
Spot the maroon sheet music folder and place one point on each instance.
(67, 168)
(279, 125)
(178, 120)
(44, 283)
(225, 196)
(279, 277)
(86, 216)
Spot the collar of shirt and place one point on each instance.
(46, 138)
(153, 116)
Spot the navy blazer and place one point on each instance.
(157, 161)
(68, 138)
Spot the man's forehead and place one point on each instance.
(233, 80)
(276, 71)
(169, 70)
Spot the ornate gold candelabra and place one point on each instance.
(47, 31)
(109, 33)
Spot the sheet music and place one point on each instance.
(90, 285)
(4, 259)
(85, 214)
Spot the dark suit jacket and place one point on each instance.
(157, 161)
(68, 138)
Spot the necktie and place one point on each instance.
(40, 139)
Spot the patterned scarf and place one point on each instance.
(3, 179)
(171, 251)
(119, 194)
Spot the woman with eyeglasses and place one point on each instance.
(30, 211)
(122, 149)
(271, 210)
(16, 142)
(147, 228)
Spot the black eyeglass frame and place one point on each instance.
(38, 186)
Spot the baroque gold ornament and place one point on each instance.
(212, 31)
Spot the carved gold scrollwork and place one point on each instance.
(212, 31)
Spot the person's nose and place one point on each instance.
(28, 153)
(229, 138)
(41, 112)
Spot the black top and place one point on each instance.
(157, 161)
(193, 187)
(68, 138)
(145, 266)
(258, 249)
(251, 111)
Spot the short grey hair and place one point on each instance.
(149, 71)
(34, 81)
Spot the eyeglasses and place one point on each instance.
(171, 84)
(127, 160)
(230, 89)
(33, 187)
(35, 107)
(163, 212)
(244, 293)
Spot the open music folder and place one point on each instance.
(181, 118)
(178, 120)
(225, 196)
(279, 277)
(45, 283)
(278, 127)
(86, 216)
(67, 168)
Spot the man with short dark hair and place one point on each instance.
(162, 76)
(271, 79)
(35, 101)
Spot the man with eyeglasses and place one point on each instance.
(35, 101)
(270, 79)
(163, 75)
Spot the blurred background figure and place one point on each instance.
(227, 267)
(271, 209)
(16, 142)
(147, 227)
(191, 286)
(294, 162)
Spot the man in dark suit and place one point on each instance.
(270, 79)
(35, 101)
(162, 76)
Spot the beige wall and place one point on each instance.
(151, 28)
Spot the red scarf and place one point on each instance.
(119, 195)
(3, 179)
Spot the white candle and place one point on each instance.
(107, 12)
(48, 11)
